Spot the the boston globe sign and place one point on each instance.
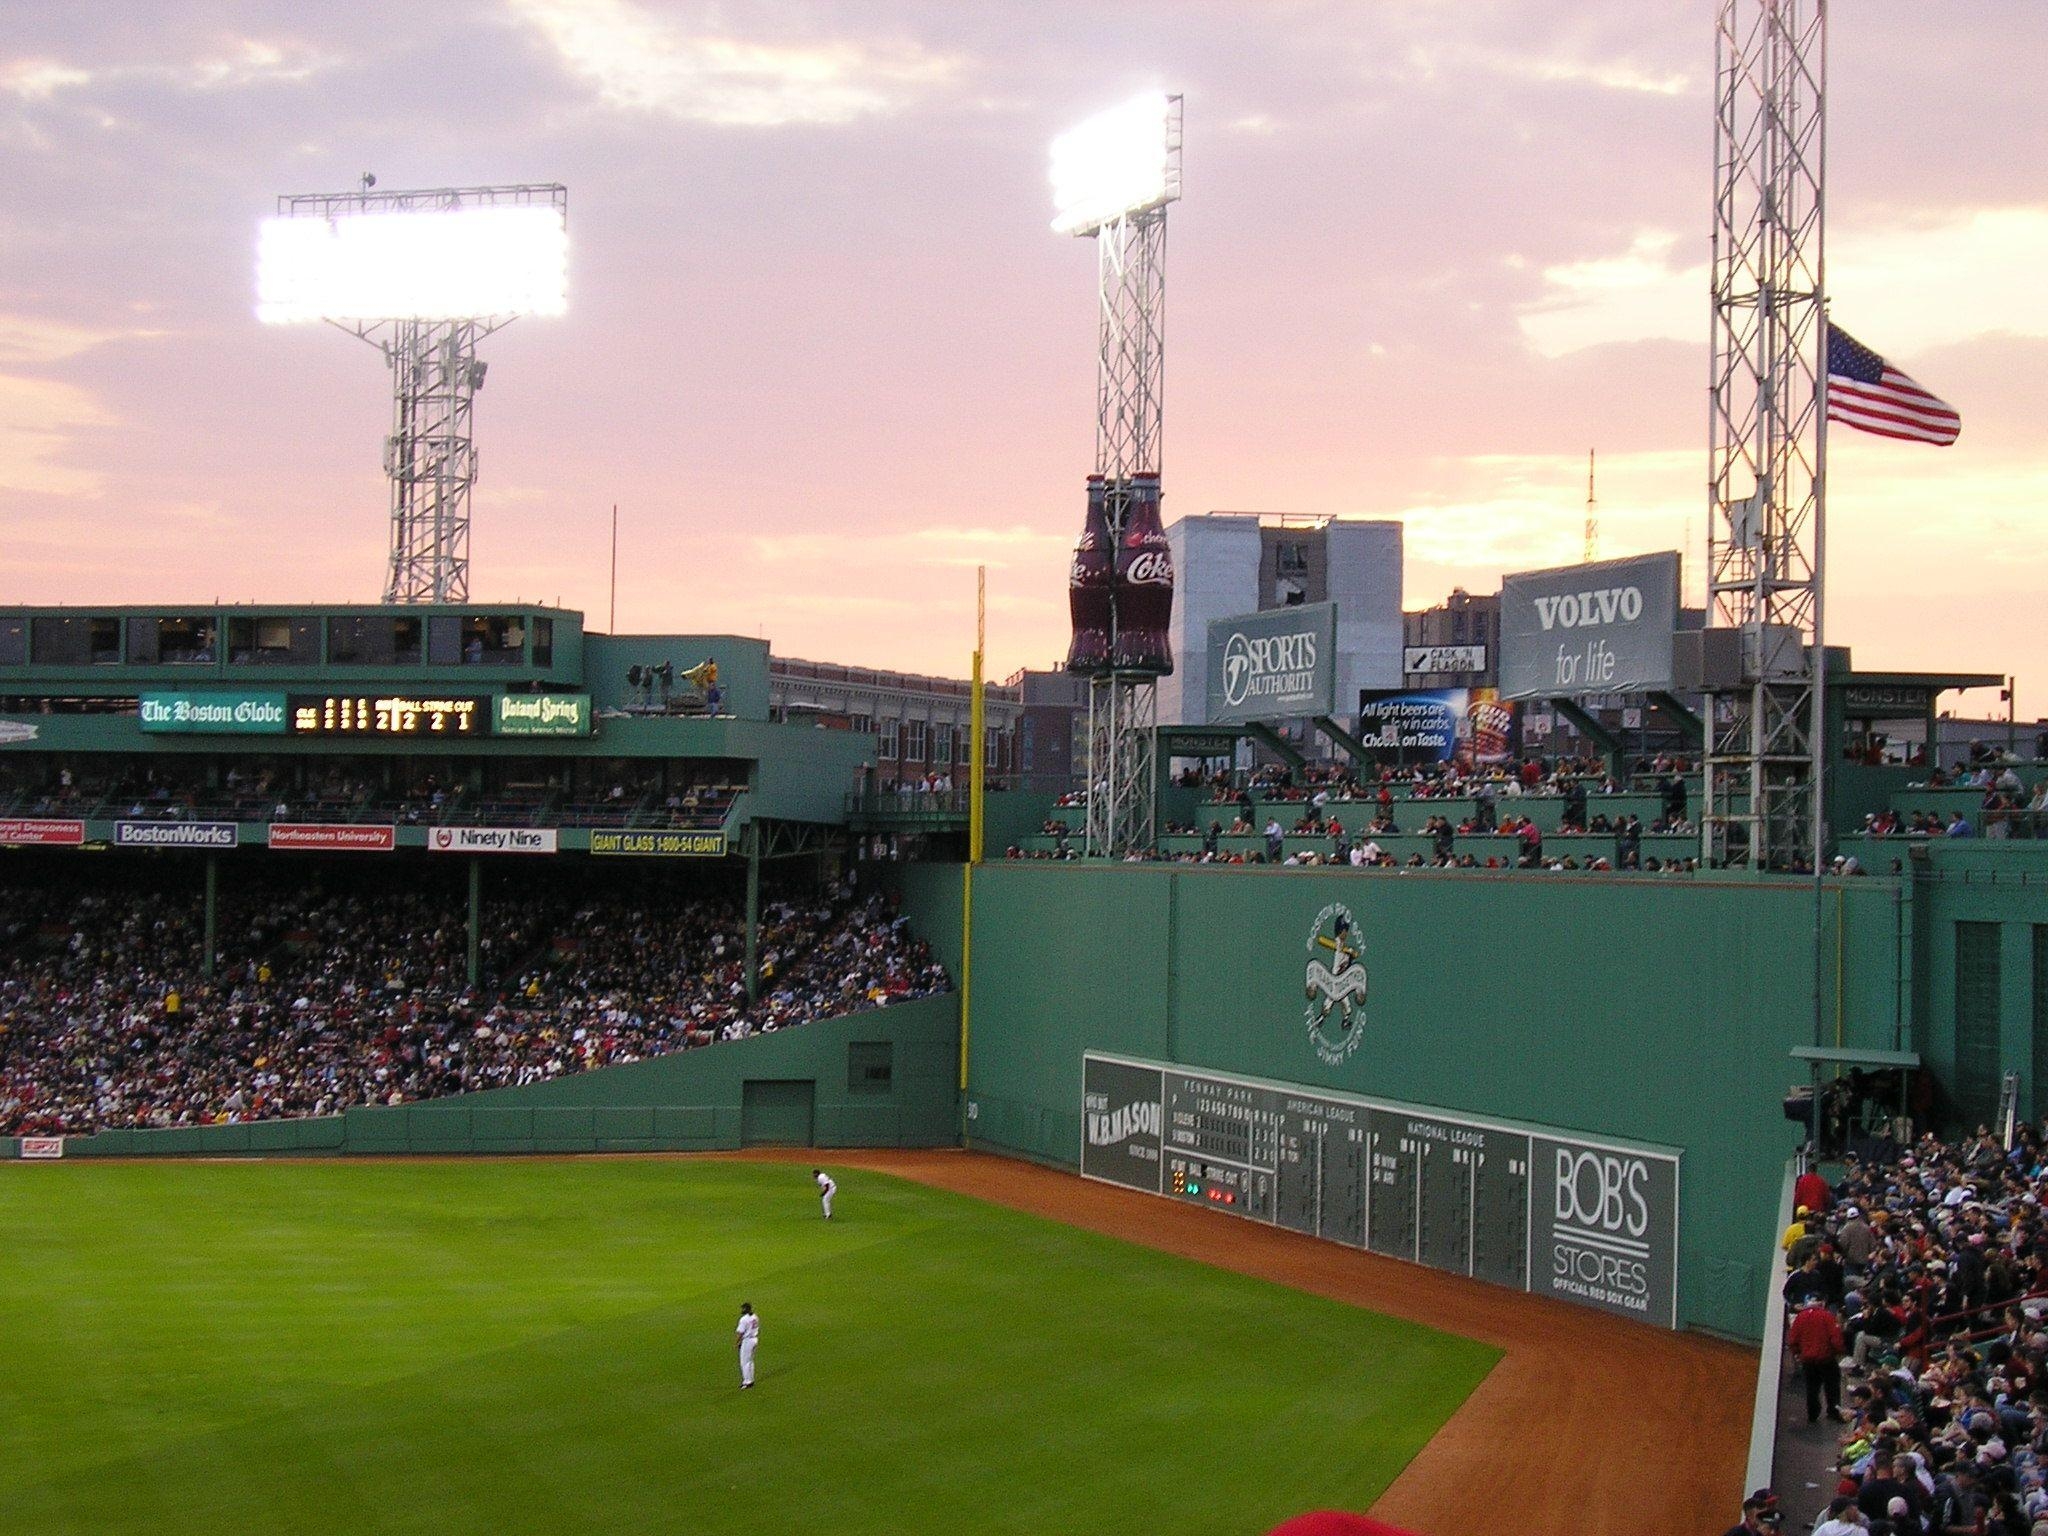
(1606, 627)
(1277, 665)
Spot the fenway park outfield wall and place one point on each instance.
(1640, 1010)
(885, 1078)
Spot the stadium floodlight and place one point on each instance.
(422, 276)
(1118, 162)
(433, 265)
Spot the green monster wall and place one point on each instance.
(693, 1101)
(1652, 1009)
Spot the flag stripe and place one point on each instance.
(1885, 405)
(1866, 392)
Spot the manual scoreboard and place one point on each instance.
(1594, 1222)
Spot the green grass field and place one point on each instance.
(547, 1347)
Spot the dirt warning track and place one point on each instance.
(1589, 1424)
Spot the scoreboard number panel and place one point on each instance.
(388, 714)
(1590, 1222)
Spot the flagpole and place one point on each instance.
(1821, 754)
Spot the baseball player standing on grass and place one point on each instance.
(746, 1336)
(826, 1189)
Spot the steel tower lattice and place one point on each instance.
(1123, 758)
(430, 456)
(1767, 434)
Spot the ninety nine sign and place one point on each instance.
(672, 845)
(336, 837)
(491, 840)
(1600, 628)
(175, 834)
(30, 831)
(1277, 665)
(227, 714)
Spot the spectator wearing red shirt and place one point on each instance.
(1811, 1191)
(1816, 1340)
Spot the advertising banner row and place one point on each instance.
(1592, 1222)
(396, 715)
(350, 837)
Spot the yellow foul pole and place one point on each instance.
(977, 774)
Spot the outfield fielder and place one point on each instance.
(826, 1189)
(747, 1335)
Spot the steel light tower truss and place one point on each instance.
(1130, 382)
(430, 456)
(1767, 434)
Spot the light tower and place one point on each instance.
(1112, 178)
(423, 276)
(1766, 428)
(1592, 514)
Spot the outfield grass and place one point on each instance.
(547, 1346)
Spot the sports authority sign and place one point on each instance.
(491, 840)
(1278, 665)
(1594, 1222)
(333, 837)
(175, 834)
(40, 832)
(41, 1148)
(1600, 628)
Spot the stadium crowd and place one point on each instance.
(1917, 1294)
(323, 1001)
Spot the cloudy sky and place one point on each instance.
(826, 356)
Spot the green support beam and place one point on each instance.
(1274, 742)
(753, 840)
(476, 919)
(1689, 723)
(1346, 742)
(1593, 731)
(210, 958)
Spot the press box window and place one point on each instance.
(870, 1065)
(273, 641)
(176, 641)
(494, 639)
(373, 641)
(543, 642)
(13, 642)
(75, 641)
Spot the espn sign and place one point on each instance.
(42, 1148)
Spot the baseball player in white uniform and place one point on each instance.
(826, 1189)
(747, 1335)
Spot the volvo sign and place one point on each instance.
(1600, 628)
(1277, 665)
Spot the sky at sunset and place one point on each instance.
(826, 356)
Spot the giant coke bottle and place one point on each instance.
(1143, 586)
(1088, 586)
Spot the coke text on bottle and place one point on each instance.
(1088, 586)
(1143, 587)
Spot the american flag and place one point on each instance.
(1868, 393)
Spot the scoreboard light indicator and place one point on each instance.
(340, 714)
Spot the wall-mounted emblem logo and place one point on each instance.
(1335, 985)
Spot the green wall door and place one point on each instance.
(776, 1113)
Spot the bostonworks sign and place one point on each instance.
(1278, 665)
(1600, 628)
